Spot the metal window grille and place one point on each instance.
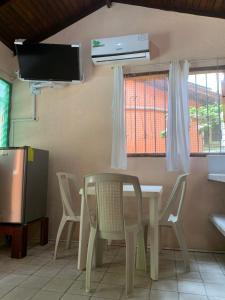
(146, 102)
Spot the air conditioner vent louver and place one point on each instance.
(123, 49)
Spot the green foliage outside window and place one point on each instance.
(5, 94)
(208, 116)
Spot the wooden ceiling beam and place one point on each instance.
(3, 2)
(28, 19)
(67, 22)
(171, 6)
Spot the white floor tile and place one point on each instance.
(204, 257)
(191, 287)
(215, 298)
(191, 297)
(194, 267)
(214, 289)
(108, 291)
(190, 276)
(3, 274)
(138, 294)
(27, 269)
(35, 282)
(69, 272)
(78, 288)
(165, 285)
(5, 290)
(114, 278)
(20, 293)
(163, 295)
(58, 285)
(38, 277)
(142, 281)
(12, 280)
(48, 271)
(75, 297)
(167, 274)
(39, 261)
(116, 268)
(47, 295)
(95, 276)
(213, 277)
(211, 267)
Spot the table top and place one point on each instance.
(147, 190)
(217, 177)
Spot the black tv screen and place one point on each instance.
(49, 62)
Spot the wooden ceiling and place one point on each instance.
(210, 8)
(36, 20)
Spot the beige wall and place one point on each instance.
(74, 122)
(7, 64)
(6, 71)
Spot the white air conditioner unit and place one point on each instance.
(122, 49)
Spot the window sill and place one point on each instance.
(164, 155)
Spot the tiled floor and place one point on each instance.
(38, 277)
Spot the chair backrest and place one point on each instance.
(65, 180)
(176, 196)
(110, 217)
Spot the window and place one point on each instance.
(146, 100)
(5, 93)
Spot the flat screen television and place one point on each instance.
(49, 62)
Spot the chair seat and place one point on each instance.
(131, 225)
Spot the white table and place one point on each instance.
(218, 219)
(153, 193)
(217, 177)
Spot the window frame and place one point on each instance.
(9, 109)
(166, 72)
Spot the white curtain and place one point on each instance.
(177, 153)
(119, 153)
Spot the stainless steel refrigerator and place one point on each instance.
(23, 184)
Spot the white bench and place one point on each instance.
(219, 221)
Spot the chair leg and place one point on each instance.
(146, 237)
(141, 252)
(61, 226)
(180, 237)
(131, 242)
(99, 251)
(160, 239)
(90, 252)
(69, 235)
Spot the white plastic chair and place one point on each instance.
(69, 215)
(109, 220)
(166, 218)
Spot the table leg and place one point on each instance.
(83, 236)
(19, 242)
(44, 232)
(154, 238)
